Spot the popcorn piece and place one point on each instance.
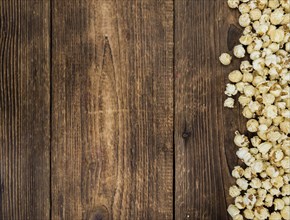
(225, 58)
(241, 140)
(229, 103)
(233, 3)
(233, 210)
(239, 51)
(231, 90)
(234, 191)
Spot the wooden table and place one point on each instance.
(113, 109)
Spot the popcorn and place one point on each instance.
(225, 58)
(229, 103)
(233, 3)
(233, 210)
(239, 51)
(262, 188)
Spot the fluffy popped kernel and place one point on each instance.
(262, 189)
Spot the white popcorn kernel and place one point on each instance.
(255, 55)
(252, 4)
(239, 51)
(247, 113)
(231, 90)
(242, 183)
(271, 111)
(238, 217)
(257, 166)
(254, 151)
(277, 16)
(272, 171)
(285, 163)
(278, 181)
(269, 200)
(246, 66)
(233, 210)
(225, 58)
(233, 3)
(262, 192)
(259, 64)
(265, 121)
(246, 39)
(234, 191)
(229, 103)
(286, 200)
(249, 214)
(247, 77)
(255, 14)
(261, 212)
(277, 35)
(248, 173)
(262, 29)
(273, 4)
(286, 190)
(252, 125)
(285, 126)
(254, 106)
(275, 216)
(268, 99)
(249, 200)
(256, 183)
(271, 59)
(285, 112)
(264, 147)
(238, 172)
(244, 20)
(240, 86)
(273, 136)
(244, 8)
(235, 76)
(249, 90)
(278, 155)
(287, 47)
(256, 141)
(285, 212)
(274, 47)
(241, 140)
(278, 204)
(239, 202)
(266, 184)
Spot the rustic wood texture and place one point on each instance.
(204, 130)
(112, 109)
(24, 110)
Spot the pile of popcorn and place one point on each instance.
(262, 187)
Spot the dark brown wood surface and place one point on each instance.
(204, 130)
(24, 110)
(113, 109)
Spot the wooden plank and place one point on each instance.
(112, 122)
(204, 130)
(24, 109)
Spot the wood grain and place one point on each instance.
(112, 104)
(24, 109)
(112, 109)
(204, 130)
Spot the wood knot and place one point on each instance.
(101, 213)
(186, 134)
